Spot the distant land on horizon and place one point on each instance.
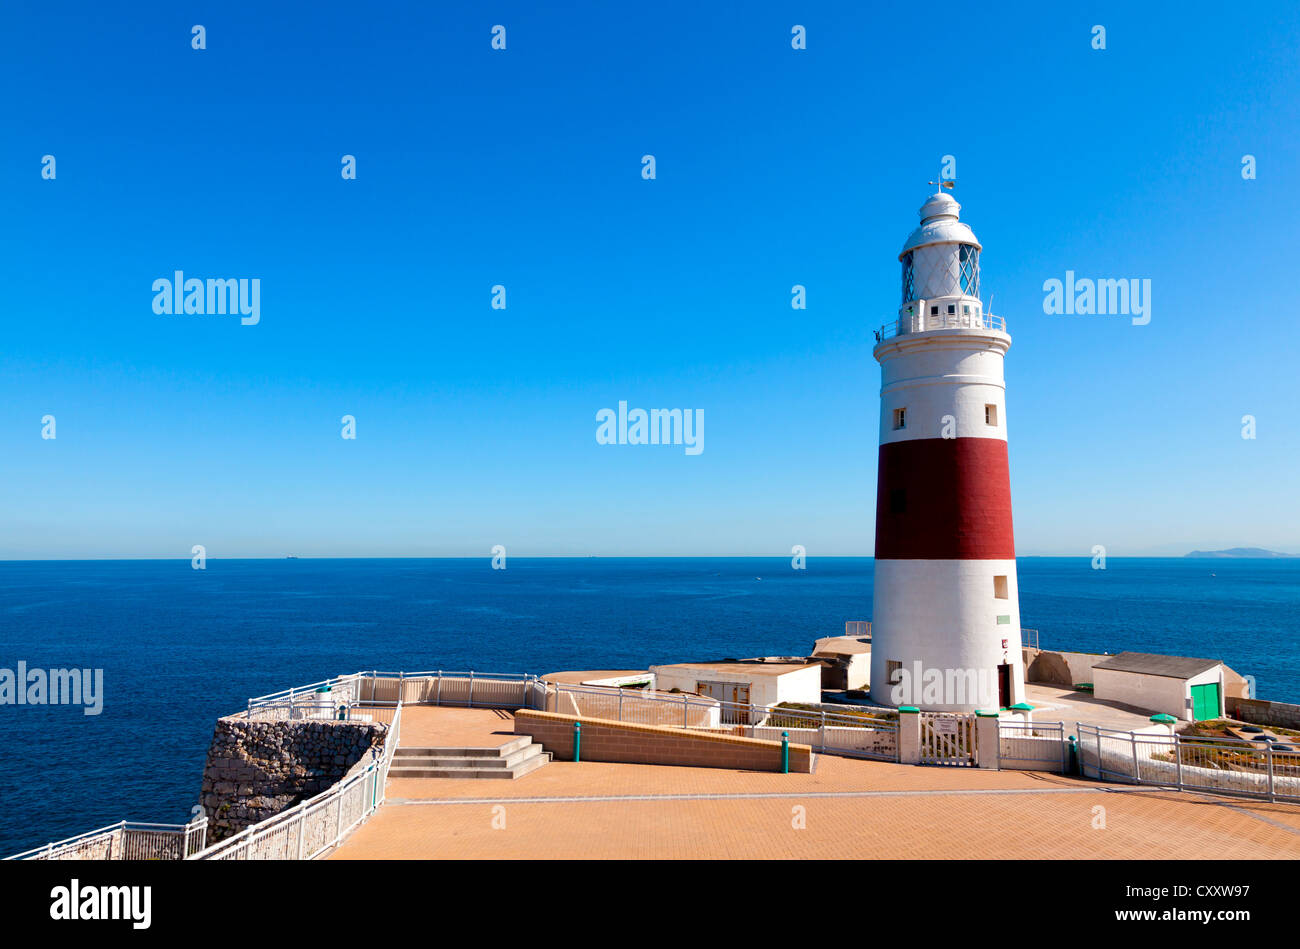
(1239, 553)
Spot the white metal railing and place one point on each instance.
(126, 840)
(320, 823)
(837, 733)
(921, 322)
(857, 628)
(1035, 746)
(1029, 638)
(1216, 765)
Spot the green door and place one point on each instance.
(1205, 701)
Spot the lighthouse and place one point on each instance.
(946, 624)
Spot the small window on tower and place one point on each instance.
(898, 501)
(965, 309)
(892, 669)
(991, 415)
(1000, 588)
(900, 418)
(952, 308)
(934, 311)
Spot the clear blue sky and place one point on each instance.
(775, 167)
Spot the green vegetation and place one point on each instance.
(1218, 728)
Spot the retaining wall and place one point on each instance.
(256, 769)
(604, 740)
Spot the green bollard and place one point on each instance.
(577, 741)
(785, 752)
(1074, 756)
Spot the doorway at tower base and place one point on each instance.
(946, 635)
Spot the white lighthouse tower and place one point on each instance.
(946, 623)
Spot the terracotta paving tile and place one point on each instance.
(850, 809)
(426, 726)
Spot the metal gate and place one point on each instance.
(948, 738)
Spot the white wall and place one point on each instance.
(944, 614)
(803, 685)
(948, 376)
(1156, 694)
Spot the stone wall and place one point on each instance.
(604, 740)
(256, 769)
(1263, 712)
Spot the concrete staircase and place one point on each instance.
(514, 759)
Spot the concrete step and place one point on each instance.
(515, 744)
(467, 761)
(452, 763)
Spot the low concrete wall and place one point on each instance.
(1060, 668)
(1263, 712)
(604, 740)
(882, 742)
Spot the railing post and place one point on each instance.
(620, 705)
(577, 741)
(1137, 771)
(1272, 793)
(302, 824)
(684, 718)
(1178, 761)
(471, 688)
(401, 685)
(821, 732)
(438, 698)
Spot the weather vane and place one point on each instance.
(943, 182)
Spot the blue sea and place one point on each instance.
(180, 647)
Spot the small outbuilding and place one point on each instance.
(765, 681)
(848, 661)
(1186, 688)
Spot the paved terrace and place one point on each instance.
(852, 809)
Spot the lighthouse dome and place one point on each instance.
(939, 225)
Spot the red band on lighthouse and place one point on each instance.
(944, 499)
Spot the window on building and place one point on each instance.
(900, 418)
(991, 415)
(952, 308)
(898, 501)
(934, 311)
(892, 669)
(909, 287)
(969, 269)
(1000, 588)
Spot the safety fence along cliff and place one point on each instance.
(1218, 765)
(126, 841)
(320, 823)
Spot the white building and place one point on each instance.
(946, 623)
(1186, 688)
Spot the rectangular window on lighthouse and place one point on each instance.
(1000, 588)
(900, 418)
(991, 415)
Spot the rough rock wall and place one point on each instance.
(256, 769)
